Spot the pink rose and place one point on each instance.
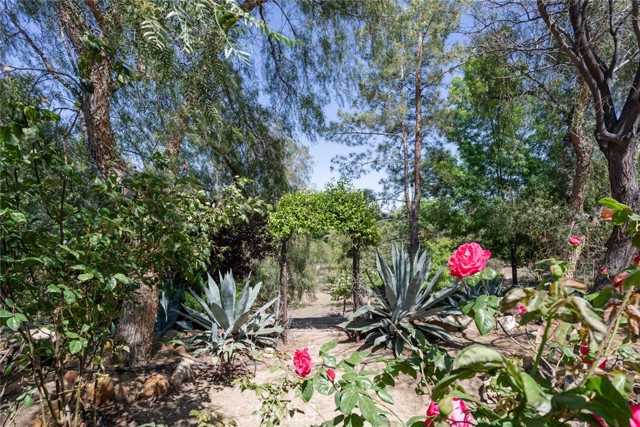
(599, 419)
(604, 271)
(432, 412)
(331, 374)
(521, 309)
(635, 415)
(468, 260)
(459, 417)
(574, 240)
(302, 362)
(618, 281)
(634, 421)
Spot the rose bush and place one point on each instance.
(555, 381)
(468, 260)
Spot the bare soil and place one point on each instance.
(313, 324)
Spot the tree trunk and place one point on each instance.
(414, 212)
(96, 88)
(283, 284)
(583, 148)
(514, 265)
(624, 188)
(355, 270)
(136, 326)
(96, 111)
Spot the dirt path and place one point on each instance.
(313, 324)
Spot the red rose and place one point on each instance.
(574, 240)
(635, 415)
(636, 260)
(584, 350)
(432, 412)
(468, 260)
(331, 374)
(618, 281)
(302, 362)
(521, 309)
(607, 214)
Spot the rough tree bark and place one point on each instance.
(284, 276)
(583, 148)
(414, 208)
(616, 133)
(513, 251)
(95, 93)
(355, 270)
(136, 327)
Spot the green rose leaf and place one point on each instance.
(348, 401)
(75, 346)
(484, 319)
(85, 276)
(477, 355)
(13, 323)
(307, 390)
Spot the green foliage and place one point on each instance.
(351, 213)
(405, 303)
(440, 250)
(298, 213)
(74, 247)
(480, 298)
(241, 327)
(341, 289)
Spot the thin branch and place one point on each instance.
(42, 56)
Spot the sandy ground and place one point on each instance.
(312, 325)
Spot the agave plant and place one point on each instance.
(482, 301)
(168, 305)
(470, 293)
(231, 325)
(406, 305)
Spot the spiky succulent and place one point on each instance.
(226, 319)
(405, 304)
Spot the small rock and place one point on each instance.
(508, 323)
(127, 392)
(181, 374)
(42, 334)
(100, 391)
(156, 385)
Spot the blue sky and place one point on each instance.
(324, 150)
